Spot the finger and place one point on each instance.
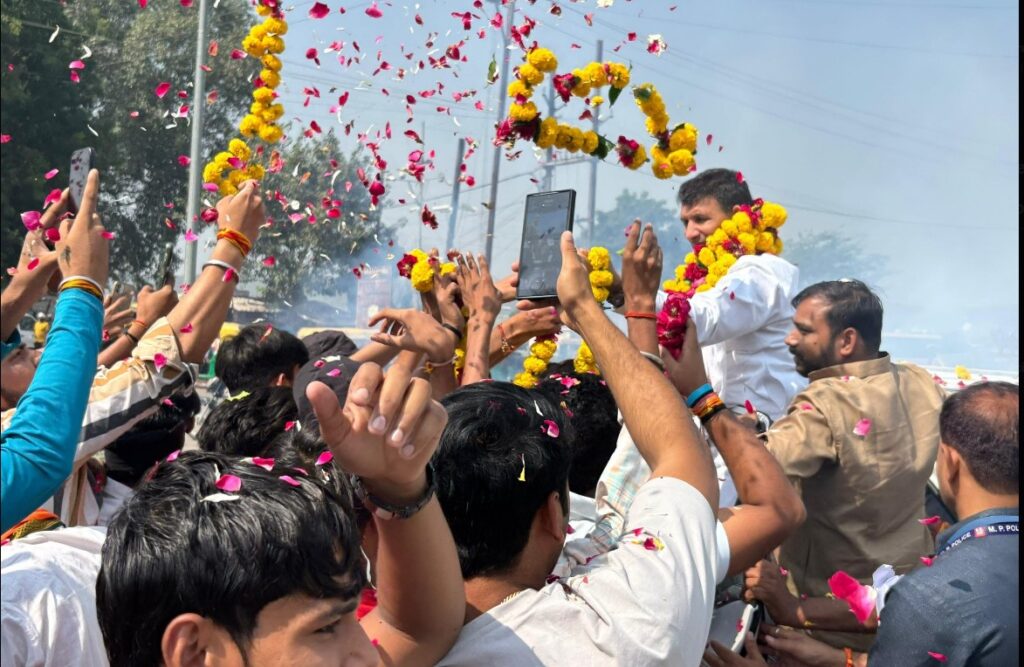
(334, 424)
(471, 263)
(647, 239)
(485, 271)
(393, 314)
(569, 253)
(364, 385)
(415, 402)
(392, 393)
(385, 339)
(89, 196)
(632, 235)
(711, 658)
(422, 426)
(51, 216)
(753, 651)
(533, 304)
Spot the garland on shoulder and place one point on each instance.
(265, 42)
(752, 230)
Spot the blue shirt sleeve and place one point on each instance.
(13, 341)
(38, 448)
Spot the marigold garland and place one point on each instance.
(673, 153)
(265, 43)
(752, 230)
(420, 268)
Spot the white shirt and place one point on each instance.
(631, 606)
(49, 599)
(742, 323)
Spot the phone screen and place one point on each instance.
(82, 161)
(548, 214)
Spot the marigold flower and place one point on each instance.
(422, 276)
(684, 137)
(590, 142)
(595, 74)
(519, 89)
(773, 215)
(270, 78)
(250, 125)
(525, 380)
(271, 133)
(534, 365)
(272, 44)
(682, 162)
(543, 59)
(599, 258)
(523, 112)
(275, 26)
(548, 133)
(271, 62)
(530, 74)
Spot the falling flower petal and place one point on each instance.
(749, 407)
(269, 261)
(860, 598)
(324, 458)
(159, 360)
(32, 263)
(50, 174)
(173, 455)
(550, 428)
(186, 329)
(4, 138)
(191, 236)
(930, 521)
(184, 160)
(31, 220)
(522, 473)
(938, 656)
(265, 463)
(927, 560)
(52, 198)
(162, 89)
(319, 10)
(229, 483)
(962, 373)
(862, 428)
(288, 479)
(656, 45)
(373, 11)
(239, 396)
(108, 235)
(653, 544)
(334, 372)
(76, 64)
(229, 274)
(219, 498)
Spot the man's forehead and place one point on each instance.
(812, 310)
(707, 206)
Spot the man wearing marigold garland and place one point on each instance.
(743, 315)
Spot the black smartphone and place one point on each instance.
(82, 161)
(548, 214)
(164, 275)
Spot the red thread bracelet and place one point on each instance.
(640, 316)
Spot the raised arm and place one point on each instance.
(651, 408)
(642, 260)
(421, 603)
(206, 304)
(484, 303)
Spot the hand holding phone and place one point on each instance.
(165, 276)
(548, 214)
(82, 161)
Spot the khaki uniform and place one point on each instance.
(864, 494)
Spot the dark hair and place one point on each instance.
(245, 426)
(495, 468)
(594, 417)
(722, 185)
(170, 552)
(128, 458)
(852, 304)
(981, 422)
(257, 355)
(335, 371)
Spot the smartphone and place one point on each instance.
(164, 275)
(82, 161)
(548, 214)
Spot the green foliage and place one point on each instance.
(831, 256)
(317, 258)
(133, 51)
(611, 226)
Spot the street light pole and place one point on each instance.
(195, 167)
(496, 166)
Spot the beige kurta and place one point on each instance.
(864, 494)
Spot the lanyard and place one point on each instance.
(989, 526)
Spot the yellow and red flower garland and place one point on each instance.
(751, 230)
(543, 348)
(673, 154)
(264, 41)
(420, 268)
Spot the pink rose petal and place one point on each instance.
(173, 455)
(76, 64)
(107, 235)
(288, 479)
(191, 236)
(159, 360)
(52, 198)
(862, 428)
(162, 89)
(52, 234)
(265, 463)
(550, 428)
(229, 274)
(269, 261)
(927, 560)
(334, 372)
(4, 138)
(289, 425)
(319, 363)
(50, 174)
(860, 598)
(31, 220)
(319, 10)
(32, 263)
(373, 11)
(938, 656)
(186, 329)
(184, 160)
(229, 483)
(930, 521)
(324, 458)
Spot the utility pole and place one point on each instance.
(549, 168)
(195, 168)
(594, 162)
(496, 166)
(450, 241)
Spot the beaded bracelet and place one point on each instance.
(848, 654)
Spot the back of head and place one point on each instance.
(852, 304)
(502, 454)
(336, 371)
(326, 343)
(128, 458)
(173, 549)
(982, 423)
(257, 356)
(595, 423)
(245, 425)
(722, 185)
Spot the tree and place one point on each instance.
(611, 225)
(829, 256)
(317, 244)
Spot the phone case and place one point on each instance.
(549, 292)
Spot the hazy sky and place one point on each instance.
(895, 123)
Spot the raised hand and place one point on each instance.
(117, 311)
(687, 372)
(642, 261)
(392, 466)
(764, 582)
(83, 250)
(416, 331)
(574, 292)
(242, 212)
(154, 304)
(507, 285)
(479, 293)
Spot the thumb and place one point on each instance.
(568, 249)
(334, 424)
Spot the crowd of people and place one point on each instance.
(758, 497)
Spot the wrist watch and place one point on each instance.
(385, 510)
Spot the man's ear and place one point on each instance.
(847, 342)
(190, 638)
(952, 467)
(552, 519)
(282, 380)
